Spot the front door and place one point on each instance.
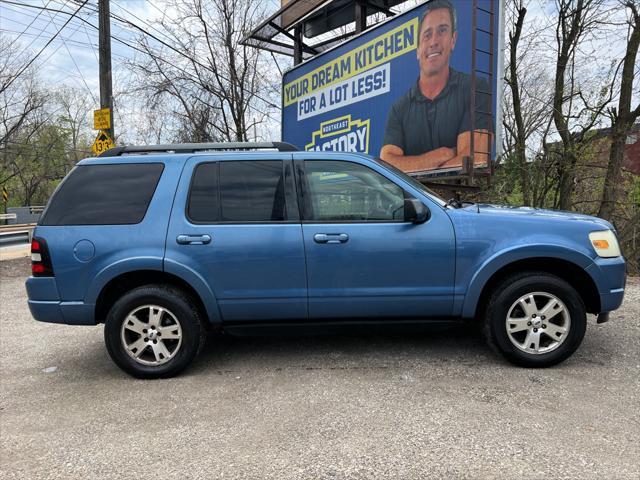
(363, 259)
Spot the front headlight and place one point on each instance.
(605, 243)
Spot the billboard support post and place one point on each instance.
(472, 100)
(361, 16)
(297, 45)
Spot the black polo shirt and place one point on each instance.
(418, 125)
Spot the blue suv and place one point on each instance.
(163, 243)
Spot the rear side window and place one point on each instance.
(204, 206)
(104, 195)
(246, 191)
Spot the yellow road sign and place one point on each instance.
(102, 143)
(102, 119)
(5, 195)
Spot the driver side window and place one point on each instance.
(348, 192)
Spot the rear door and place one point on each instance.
(363, 259)
(235, 222)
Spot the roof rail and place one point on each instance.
(197, 147)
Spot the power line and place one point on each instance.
(156, 7)
(143, 21)
(57, 22)
(179, 52)
(76, 43)
(189, 75)
(43, 48)
(83, 20)
(268, 103)
(143, 31)
(76, 65)
(41, 31)
(93, 47)
(28, 26)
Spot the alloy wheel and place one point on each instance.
(151, 335)
(538, 323)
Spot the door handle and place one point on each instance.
(331, 238)
(193, 239)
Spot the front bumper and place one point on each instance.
(610, 276)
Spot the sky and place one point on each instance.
(72, 57)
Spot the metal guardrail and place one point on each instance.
(8, 216)
(14, 238)
(16, 234)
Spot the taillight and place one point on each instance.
(40, 260)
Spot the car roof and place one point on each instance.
(165, 157)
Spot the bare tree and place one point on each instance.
(577, 20)
(75, 106)
(217, 86)
(18, 100)
(20, 103)
(622, 117)
(512, 82)
(526, 103)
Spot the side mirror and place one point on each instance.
(415, 211)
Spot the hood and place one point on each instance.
(504, 211)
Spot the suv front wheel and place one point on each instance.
(535, 319)
(153, 332)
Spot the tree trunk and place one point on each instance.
(521, 156)
(623, 120)
(567, 178)
(568, 33)
(614, 175)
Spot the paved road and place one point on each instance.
(407, 406)
(11, 252)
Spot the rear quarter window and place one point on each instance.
(117, 194)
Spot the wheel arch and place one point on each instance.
(573, 273)
(127, 281)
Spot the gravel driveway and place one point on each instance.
(435, 404)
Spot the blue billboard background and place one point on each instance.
(339, 100)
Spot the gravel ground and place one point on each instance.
(436, 404)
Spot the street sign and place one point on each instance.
(5, 195)
(102, 143)
(102, 119)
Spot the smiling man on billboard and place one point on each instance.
(429, 127)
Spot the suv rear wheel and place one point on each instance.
(535, 319)
(153, 332)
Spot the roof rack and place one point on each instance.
(197, 147)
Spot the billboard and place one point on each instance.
(404, 90)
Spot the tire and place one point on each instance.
(535, 319)
(136, 322)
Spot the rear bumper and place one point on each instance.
(45, 305)
(71, 313)
(46, 311)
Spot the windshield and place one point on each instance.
(412, 181)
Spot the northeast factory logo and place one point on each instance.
(341, 135)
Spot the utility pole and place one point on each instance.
(104, 48)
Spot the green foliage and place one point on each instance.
(37, 163)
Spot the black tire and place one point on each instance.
(513, 288)
(180, 309)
